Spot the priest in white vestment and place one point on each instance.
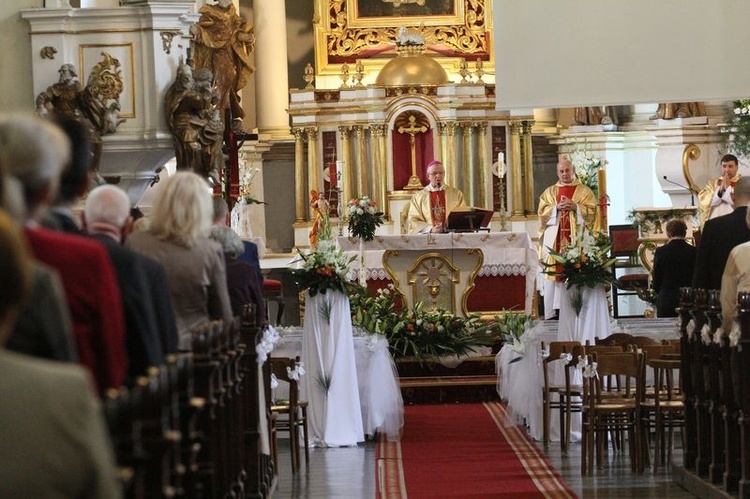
(430, 207)
(715, 199)
(564, 208)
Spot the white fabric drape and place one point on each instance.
(330, 385)
(593, 319)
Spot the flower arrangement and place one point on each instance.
(364, 218)
(322, 269)
(511, 327)
(376, 314)
(586, 166)
(247, 174)
(737, 132)
(584, 261)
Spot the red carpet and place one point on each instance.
(463, 451)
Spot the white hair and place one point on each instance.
(107, 204)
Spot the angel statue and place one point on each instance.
(97, 105)
(321, 227)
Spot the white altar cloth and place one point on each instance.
(330, 385)
(379, 393)
(520, 383)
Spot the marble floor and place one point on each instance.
(349, 473)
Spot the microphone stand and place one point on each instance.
(692, 198)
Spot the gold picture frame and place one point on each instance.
(345, 33)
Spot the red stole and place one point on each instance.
(563, 222)
(437, 207)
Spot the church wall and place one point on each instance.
(16, 89)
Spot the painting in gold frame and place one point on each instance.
(351, 30)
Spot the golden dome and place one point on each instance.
(412, 67)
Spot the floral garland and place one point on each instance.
(322, 269)
(364, 218)
(584, 261)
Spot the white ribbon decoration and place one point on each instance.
(706, 334)
(267, 343)
(567, 358)
(274, 382)
(718, 335)
(297, 372)
(734, 334)
(691, 329)
(582, 363)
(590, 371)
(543, 354)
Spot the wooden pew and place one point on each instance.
(690, 452)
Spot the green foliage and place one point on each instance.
(737, 133)
(583, 262)
(375, 314)
(364, 218)
(323, 269)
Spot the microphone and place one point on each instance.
(692, 199)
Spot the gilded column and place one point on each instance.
(467, 166)
(442, 129)
(300, 195)
(346, 156)
(517, 190)
(483, 174)
(314, 174)
(377, 143)
(363, 184)
(528, 166)
(451, 160)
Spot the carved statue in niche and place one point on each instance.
(595, 115)
(195, 122)
(672, 110)
(223, 42)
(97, 105)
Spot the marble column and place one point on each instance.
(484, 186)
(347, 171)
(313, 169)
(380, 175)
(271, 76)
(442, 130)
(528, 166)
(517, 207)
(300, 185)
(363, 177)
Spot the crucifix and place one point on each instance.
(414, 182)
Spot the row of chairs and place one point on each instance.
(190, 428)
(612, 392)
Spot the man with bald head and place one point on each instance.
(564, 208)
(429, 208)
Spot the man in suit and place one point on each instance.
(719, 236)
(107, 219)
(34, 151)
(53, 439)
(673, 269)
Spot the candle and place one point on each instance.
(339, 173)
(500, 165)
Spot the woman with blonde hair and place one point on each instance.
(177, 238)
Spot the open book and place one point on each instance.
(468, 219)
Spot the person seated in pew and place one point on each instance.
(34, 152)
(53, 438)
(430, 207)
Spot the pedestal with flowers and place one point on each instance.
(331, 385)
(584, 267)
(364, 219)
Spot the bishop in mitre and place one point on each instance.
(564, 209)
(430, 207)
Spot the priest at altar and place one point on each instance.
(564, 209)
(430, 207)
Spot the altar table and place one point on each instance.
(505, 279)
(379, 391)
(520, 383)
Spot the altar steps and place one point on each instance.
(428, 382)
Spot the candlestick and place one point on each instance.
(339, 171)
(500, 164)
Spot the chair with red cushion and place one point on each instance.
(273, 291)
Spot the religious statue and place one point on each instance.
(321, 227)
(672, 110)
(97, 105)
(223, 42)
(195, 122)
(595, 115)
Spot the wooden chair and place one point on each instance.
(641, 341)
(570, 398)
(663, 412)
(273, 291)
(613, 339)
(291, 415)
(549, 390)
(604, 413)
